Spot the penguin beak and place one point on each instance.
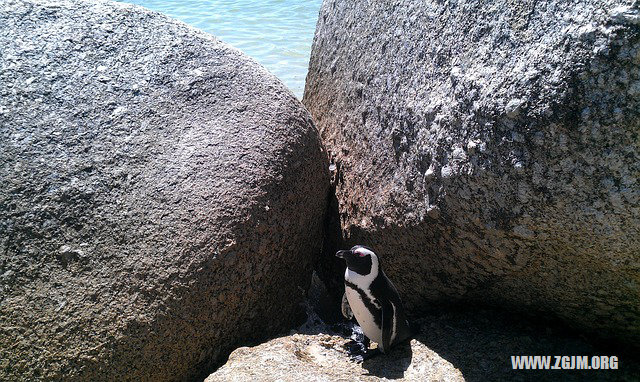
(342, 254)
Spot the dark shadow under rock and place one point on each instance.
(480, 344)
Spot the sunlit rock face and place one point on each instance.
(488, 150)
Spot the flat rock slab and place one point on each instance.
(320, 357)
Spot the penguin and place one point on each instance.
(374, 301)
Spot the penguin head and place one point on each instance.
(360, 259)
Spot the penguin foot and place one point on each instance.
(359, 351)
(355, 347)
(365, 355)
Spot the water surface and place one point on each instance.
(276, 33)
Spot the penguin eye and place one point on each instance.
(360, 254)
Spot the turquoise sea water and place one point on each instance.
(276, 33)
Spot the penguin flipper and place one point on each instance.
(346, 309)
(388, 311)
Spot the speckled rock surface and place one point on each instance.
(320, 357)
(161, 196)
(489, 150)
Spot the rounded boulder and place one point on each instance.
(161, 195)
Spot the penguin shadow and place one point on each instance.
(391, 365)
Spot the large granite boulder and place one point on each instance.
(161, 195)
(489, 150)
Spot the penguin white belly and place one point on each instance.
(363, 316)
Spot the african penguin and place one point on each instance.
(372, 299)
